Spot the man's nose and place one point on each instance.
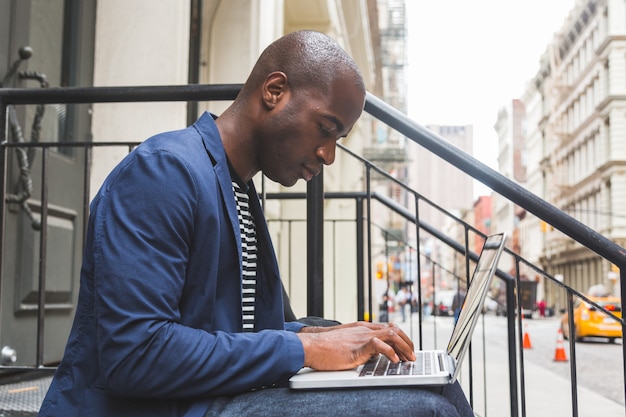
(327, 153)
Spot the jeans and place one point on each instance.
(444, 401)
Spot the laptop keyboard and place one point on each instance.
(381, 366)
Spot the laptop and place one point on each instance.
(431, 367)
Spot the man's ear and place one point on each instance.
(274, 88)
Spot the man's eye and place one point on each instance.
(325, 131)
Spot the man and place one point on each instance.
(457, 303)
(180, 309)
(401, 301)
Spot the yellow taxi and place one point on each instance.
(589, 321)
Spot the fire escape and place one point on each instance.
(388, 147)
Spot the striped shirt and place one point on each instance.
(248, 252)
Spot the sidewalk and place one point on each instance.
(545, 396)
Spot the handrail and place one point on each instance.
(73, 95)
(374, 106)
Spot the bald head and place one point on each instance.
(309, 59)
(303, 94)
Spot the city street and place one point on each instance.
(599, 363)
(547, 382)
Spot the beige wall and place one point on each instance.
(142, 42)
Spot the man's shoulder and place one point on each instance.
(186, 144)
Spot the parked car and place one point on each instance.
(591, 322)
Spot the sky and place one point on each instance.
(469, 58)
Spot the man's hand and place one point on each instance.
(349, 345)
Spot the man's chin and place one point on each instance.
(289, 183)
(284, 182)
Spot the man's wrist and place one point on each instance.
(308, 329)
(307, 347)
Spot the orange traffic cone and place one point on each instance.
(559, 354)
(527, 344)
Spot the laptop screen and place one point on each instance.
(475, 298)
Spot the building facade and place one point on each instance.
(576, 142)
(511, 130)
(430, 174)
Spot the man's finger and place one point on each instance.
(385, 349)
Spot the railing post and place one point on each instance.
(622, 277)
(360, 262)
(510, 320)
(520, 317)
(368, 208)
(43, 250)
(315, 246)
(3, 186)
(572, 353)
(418, 275)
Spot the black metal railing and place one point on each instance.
(579, 232)
(363, 246)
